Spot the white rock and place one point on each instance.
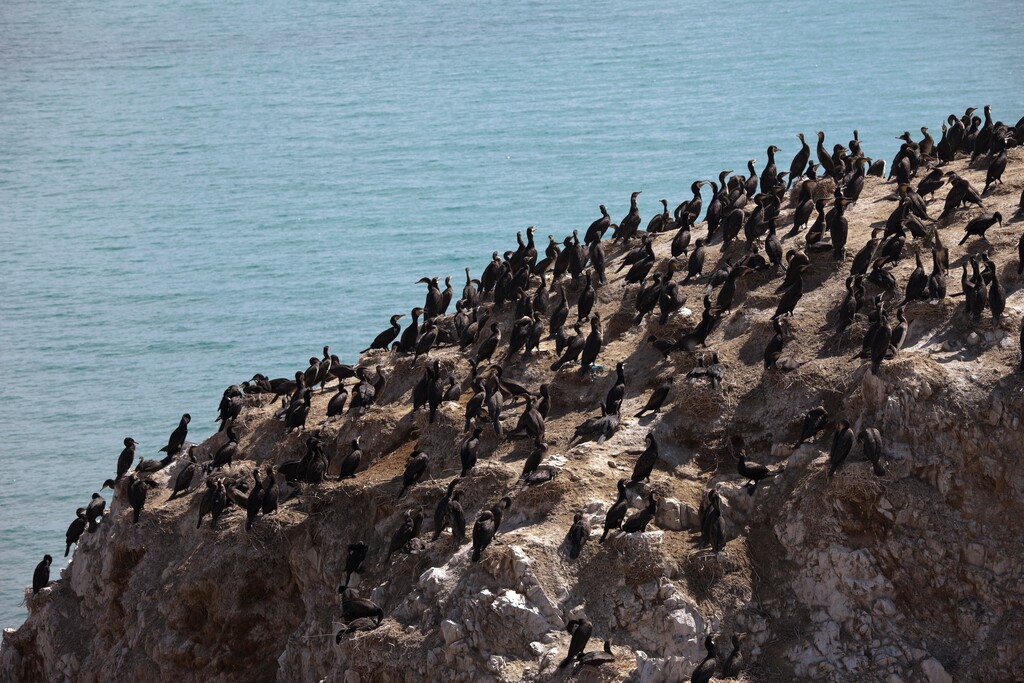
(933, 671)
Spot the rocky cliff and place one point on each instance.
(917, 575)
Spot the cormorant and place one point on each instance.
(733, 666)
(409, 530)
(75, 530)
(617, 512)
(871, 438)
(254, 503)
(597, 657)
(354, 562)
(842, 443)
(796, 168)
(350, 463)
(483, 533)
(658, 396)
(979, 225)
(94, 511)
(441, 511)
(457, 518)
(814, 421)
(177, 438)
(41, 576)
(126, 458)
(581, 630)
(415, 468)
(579, 532)
(753, 472)
(645, 463)
(185, 475)
(706, 669)
(639, 520)
(271, 492)
(774, 348)
(629, 225)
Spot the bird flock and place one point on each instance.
(522, 301)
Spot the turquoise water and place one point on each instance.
(192, 192)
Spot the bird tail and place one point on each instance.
(961, 242)
(565, 662)
(476, 555)
(879, 470)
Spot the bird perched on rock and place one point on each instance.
(639, 520)
(871, 438)
(409, 529)
(815, 420)
(706, 669)
(177, 438)
(354, 562)
(581, 630)
(41, 576)
(754, 472)
(579, 532)
(842, 444)
(415, 468)
(658, 396)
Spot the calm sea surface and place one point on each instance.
(192, 192)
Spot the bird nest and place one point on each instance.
(857, 483)
(644, 554)
(707, 571)
(700, 402)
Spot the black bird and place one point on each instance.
(842, 444)
(629, 225)
(617, 512)
(408, 530)
(177, 438)
(185, 475)
(271, 492)
(483, 533)
(441, 511)
(592, 345)
(350, 463)
(597, 658)
(75, 530)
(814, 421)
(597, 229)
(254, 503)
(711, 531)
(41, 576)
(645, 463)
(618, 391)
(137, 490)
(796, 168)
(979, 225)
(917, 283)
(733, 666)
(336, 406)
(581, 630)
(753, 472)
(706, 669)
(996, 293)
(226, 453)
(354, 607)
(384, 339)
(579, 532)
(774, 348)
(415, 468)
(95, 511)
(871, 438)
(639, 520)
(533, 460)
(658, 396)
(126, 458)
(457, 518)
(354, 561)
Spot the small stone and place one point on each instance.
(933, 671)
